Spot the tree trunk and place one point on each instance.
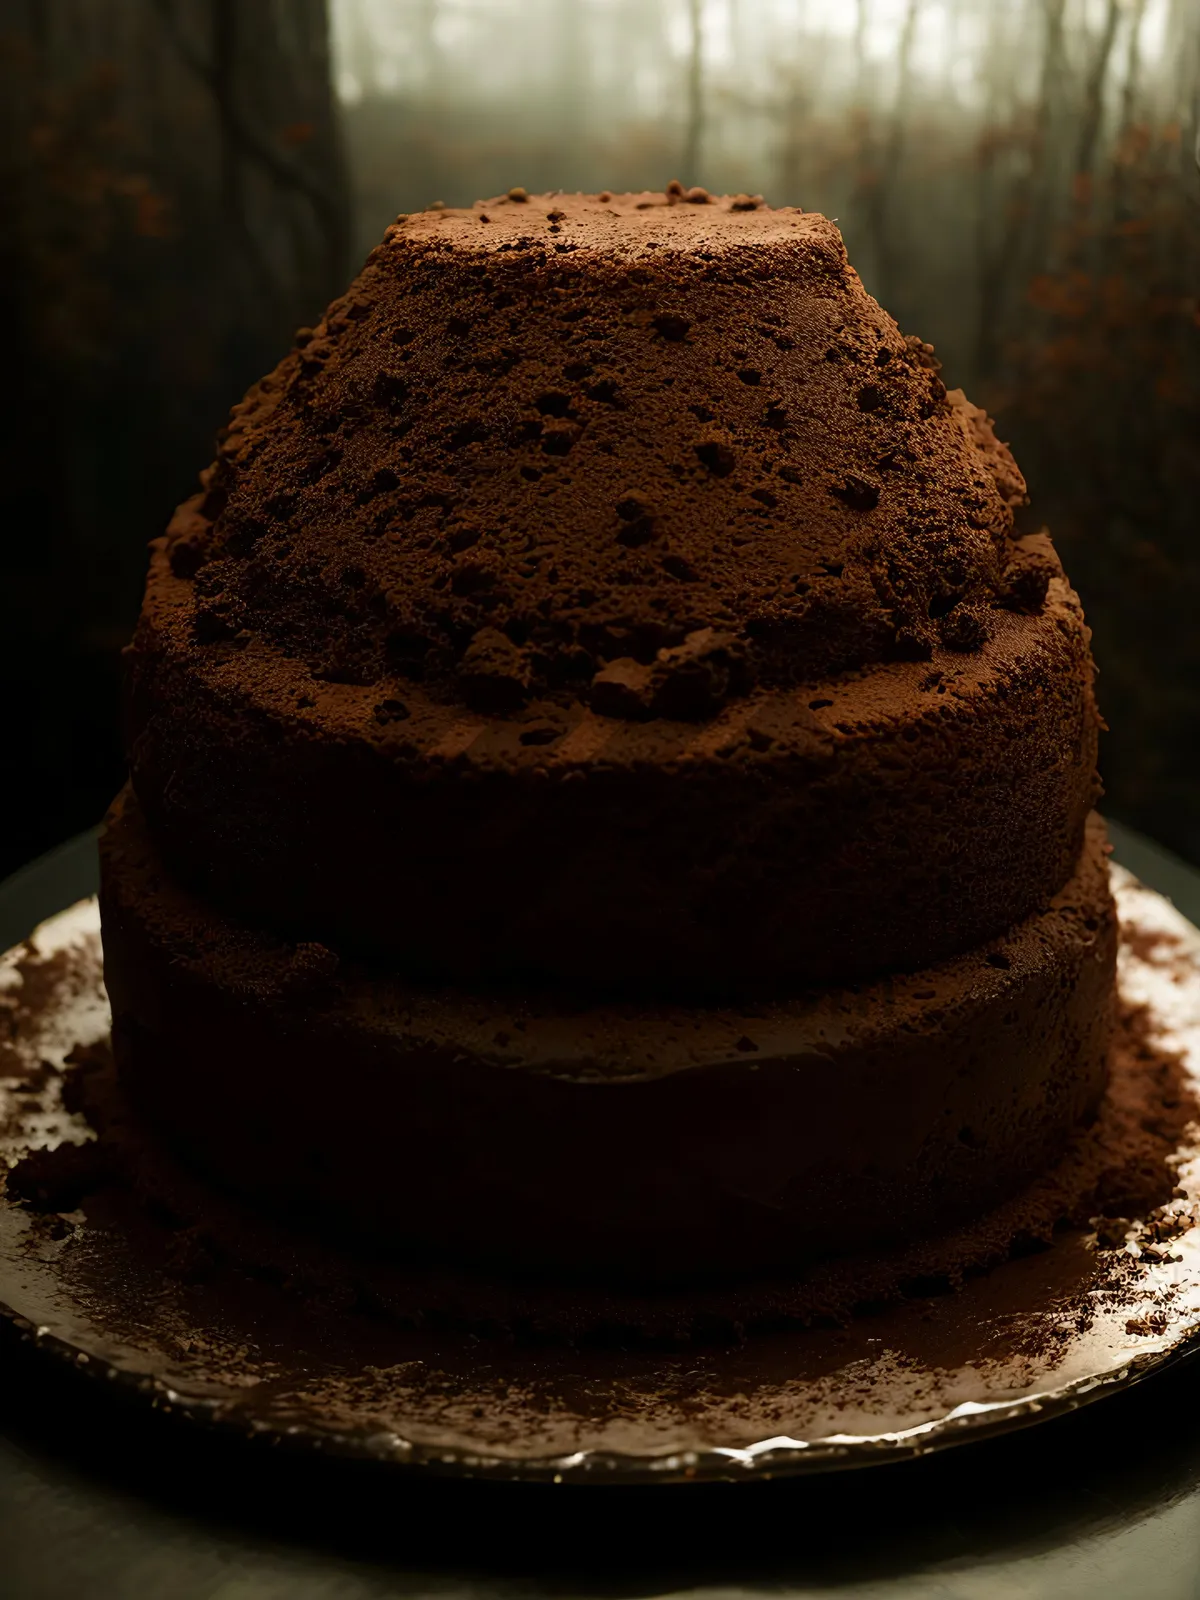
(694, 129)
(175, 204)
(1093, 99)
(570, 91)
(1133, 63)
(888, 245)
(428, 48)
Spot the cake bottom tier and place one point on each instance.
(634, 1143)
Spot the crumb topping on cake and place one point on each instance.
(625, 450)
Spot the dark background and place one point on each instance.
(183, 182)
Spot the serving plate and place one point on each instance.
(101, 1286)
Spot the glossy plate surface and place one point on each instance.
(1043, 1334)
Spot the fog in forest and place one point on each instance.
(957, 142)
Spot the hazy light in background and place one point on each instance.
(755, 38)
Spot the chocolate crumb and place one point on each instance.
(391, 711)
(860, 494)
(965, 628)
(622, 689)
(493, 673)
(1149, 1325)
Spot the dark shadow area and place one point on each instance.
(175, 204)
(150, 1482)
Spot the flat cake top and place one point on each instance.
(643, 452)
(621, 224)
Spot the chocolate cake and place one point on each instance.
(609, 787)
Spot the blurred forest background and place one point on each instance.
(184, 181)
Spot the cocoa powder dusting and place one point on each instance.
(1117, 1176)
(446, 455)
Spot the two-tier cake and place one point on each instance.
(610, 789)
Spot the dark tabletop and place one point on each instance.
(102, 1498)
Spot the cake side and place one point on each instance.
(880, 823)
(618, 598)
(653, 1143)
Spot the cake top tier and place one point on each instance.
(640, 451)
(621, 224)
